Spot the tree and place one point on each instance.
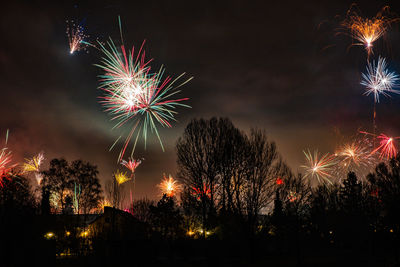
(141, 209)
(58, 180)
(114, 192)
(63, 179)
(264, 165)
(227, 171)
(85, 178)
(202, 153)
(166, 217)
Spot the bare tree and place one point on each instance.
(203, 150)
(114, 192)
(264, 165)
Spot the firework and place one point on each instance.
(121, 177)
(5, 163)
(76, 37)
(319, 168)
(205, 190)
(76, 197)
(33, 164)
(169, 186)
(366, 31)
(133, 94)
(355, 156)
(131, 164)
(378, 80)
(387, 147)
(292, 197)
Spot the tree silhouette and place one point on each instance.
(62, 179)
(166, 218)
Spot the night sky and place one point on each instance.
(279, 66)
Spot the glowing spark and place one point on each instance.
(121, 177)
(133, 94)
(131, 164)
(365, 30)
(169, 186)
(319, 168)
(33, 164)
(379, 80)
(76, 37)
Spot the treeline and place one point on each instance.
(237, 192)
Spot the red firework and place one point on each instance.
(131, 164)
(205, 190)
(387, 147)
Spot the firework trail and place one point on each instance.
(319, 168)
(76, 37)
(169, 186)
(366, 31)
(5, 163)
(38, 177)
(121, 177)
(132, 93)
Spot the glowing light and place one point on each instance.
(279, 181)
(319, 168)
(67, 233)
(49, 235)
(169, 186)
(76, 37)
(366, 31)
(190, 233)
(121, 177)
(378, 80)
(84, 234)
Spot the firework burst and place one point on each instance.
(131, 164)
(121, 177)
(169, 186)
(378, 80)
(76, 37)
(354, 156)
(135, 95)
(366, 31)
(33, 164)
(204, 191)
(319, 168)
(387, 147)
(5, 163)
